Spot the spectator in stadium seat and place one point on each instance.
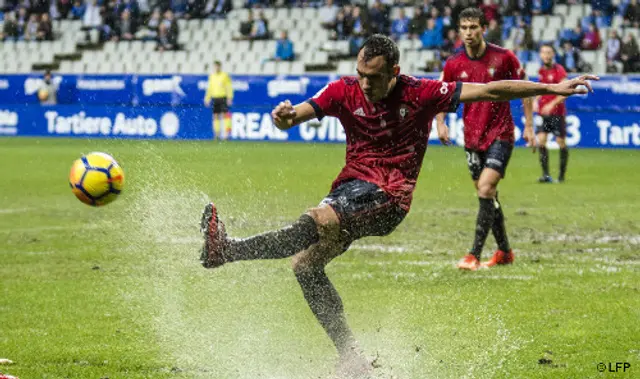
(284, 48)
(450, 44)
(378, 18)
(179, 7)
(523, 41)
(196, 8)
(630, 54)
(217, 9)
(613, 50)
(344, 25)
(92, 18)
(78, 9)
(542, 7)
(64, 8)
(22, 20)
(591, 40)
(490, 9)
(164, 41)
(447, 19)
(173, 29)
(437, 19)
(509, 8)
(426, 7)
(494, 33)
(456, 7)
(45, 28)
(574, 35)
(632, 14)
(400, 26)
(432, 37)
(328, 14)
(260, 28)
(359, 31)
(31, 31)
(39, 6)
(570, 58)
(246, 26)
(10, 28)
(602, 7)
(125, 28)
(418, 23)
(150, 30)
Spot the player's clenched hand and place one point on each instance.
(529, 136)
(282, 113)
(577, 86)
(443, 133)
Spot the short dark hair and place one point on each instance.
(381, 45)
(217, 63)
(546, 44)
(473, 14)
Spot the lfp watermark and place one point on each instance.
(614, 366)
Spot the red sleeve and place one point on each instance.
(326, 102)
(514, 68)
(442, 96)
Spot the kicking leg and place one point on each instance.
(218, 249)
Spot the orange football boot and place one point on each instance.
(469, 262)
(499, 258)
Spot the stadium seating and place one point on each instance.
(204, 41)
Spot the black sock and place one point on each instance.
(544, 160)
(564, 158)
(498, 228)
(486, 215)
(277, 244)
(326, 305)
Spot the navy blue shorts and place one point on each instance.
(364, 209)
(496, 157)
(553, 124)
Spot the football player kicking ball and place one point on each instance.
(387, 118)
(488, 131)
(553, 112)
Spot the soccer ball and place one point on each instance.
(96, 179)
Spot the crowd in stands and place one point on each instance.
(432, 22)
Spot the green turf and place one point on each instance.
(117, 291)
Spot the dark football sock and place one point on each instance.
(564, 159)
(326, 305)
(498, 228)
(281, 243)
(486, 215)
(544, 160)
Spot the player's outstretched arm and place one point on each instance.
(286, 115)
(505, 90)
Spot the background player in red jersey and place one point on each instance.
(387, 118)
(488, 131)
(553, 112)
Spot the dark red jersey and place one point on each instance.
(486, 121)
(387, 140)
(552, 75)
